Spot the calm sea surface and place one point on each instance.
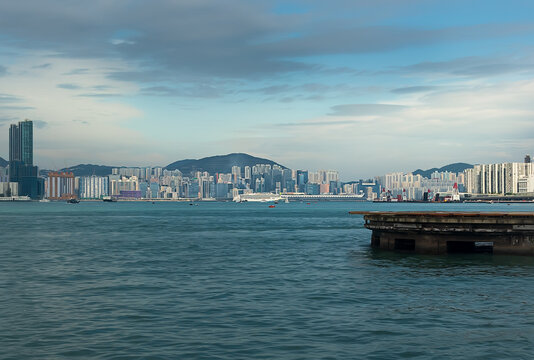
(243, 281)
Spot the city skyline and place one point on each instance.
(242, 177)
(362, 88)
(29, 155)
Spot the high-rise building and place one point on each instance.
(527, 159)
(60, 186)
(236, 174)
(21, 169)
(21, 142)
(26, 142)
(502, 178)
(93, 187)
(14, 144)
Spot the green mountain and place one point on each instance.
(454, 168)
(219, 163)
(85, 170)
(3, 162)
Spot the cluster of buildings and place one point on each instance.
(415, 187)
(21, 179)
(159, 183)
(501, 179)
(514, 178)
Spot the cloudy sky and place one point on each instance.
(364, 87)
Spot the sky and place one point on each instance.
(362, 87)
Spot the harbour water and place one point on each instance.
(135, 280)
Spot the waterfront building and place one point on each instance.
(93, 187)
(501, 178)
(302, 180)
(144, 188)
(153, 189)
(118, 183)
(128, 184)
(130, 194)
(60, 186)
(21, 169)
(324, 189)
(412, 186)
(113, 186)
(312, 188)
(221, 191)
(193, 190)
(8, 189)
(525, 184)
(205, 188)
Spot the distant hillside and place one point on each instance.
(85, 170)
(218, 164)
(455, 168)
(3, 162)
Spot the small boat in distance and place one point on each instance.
(109, 199)
(73, 201)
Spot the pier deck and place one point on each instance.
(452, 232)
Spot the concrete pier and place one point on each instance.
(451, 232)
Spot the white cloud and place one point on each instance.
(478, 124)
(77, 127)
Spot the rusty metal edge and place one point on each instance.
(445, 213)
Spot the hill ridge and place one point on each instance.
(212, 164)
(219, 163)
(85, 170)
(454, 167)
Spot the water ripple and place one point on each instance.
(241, 281)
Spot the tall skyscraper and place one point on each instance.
(26, 142)
(14, 144)
(21, 169)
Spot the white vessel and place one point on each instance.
(257, 197)
(15, 198)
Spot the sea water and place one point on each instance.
(136, 280)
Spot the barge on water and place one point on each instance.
(451, 232)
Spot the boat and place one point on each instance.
(109, 199)
(73, 201)
(44, 200)
(15, 198)
(257, 197)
